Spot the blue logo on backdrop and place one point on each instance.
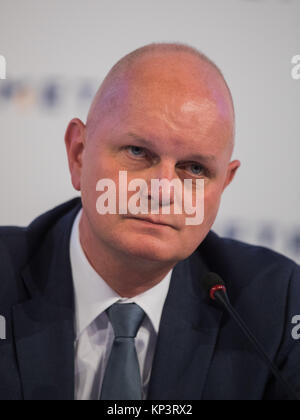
(52, 94)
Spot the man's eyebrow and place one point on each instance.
(193, 157)
(141, 140)
(203, 158)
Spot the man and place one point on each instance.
(112, 306)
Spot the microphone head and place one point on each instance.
(212, 283)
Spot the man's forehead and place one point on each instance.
(171, 74)
(180, 123)
(157, 83)
(180, 104)
(183, 88)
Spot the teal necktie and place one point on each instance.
(122, 378)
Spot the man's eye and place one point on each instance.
(136, 151)
(196, 169)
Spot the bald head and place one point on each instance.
(166, 69)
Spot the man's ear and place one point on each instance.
(75, 143)
(231, 171)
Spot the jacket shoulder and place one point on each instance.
(249, 255)
(249, 267)
(17, 241)
(12, 246)
(19, 244)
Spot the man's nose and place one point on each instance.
(164, 173)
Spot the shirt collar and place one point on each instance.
(93, 295)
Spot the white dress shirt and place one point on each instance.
(94, 332)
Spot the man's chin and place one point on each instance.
(150, 250)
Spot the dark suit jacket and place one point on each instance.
(200, 353)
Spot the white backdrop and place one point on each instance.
(58, 51)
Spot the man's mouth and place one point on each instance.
(152, 221)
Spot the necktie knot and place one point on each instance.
(126, 319)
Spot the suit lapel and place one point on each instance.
(44, 325)
(187, 336)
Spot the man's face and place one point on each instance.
(158, 129)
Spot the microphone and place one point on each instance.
(216, 289)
